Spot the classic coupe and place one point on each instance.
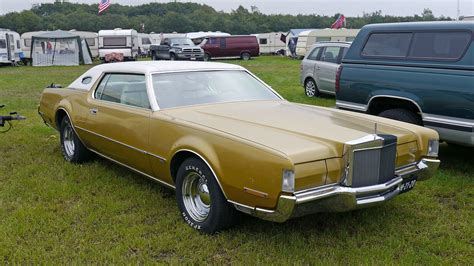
(227, 142)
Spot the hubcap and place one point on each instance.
(310, 88)
(196, 197)
(68, 141)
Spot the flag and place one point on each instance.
(340, 21)
(103, 5)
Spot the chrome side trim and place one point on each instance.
(208, 165)
(352, 106)
(123, 144)
(449, 120)
(133, 169)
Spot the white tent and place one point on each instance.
(59, 48)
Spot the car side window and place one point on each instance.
(222, 42)
(439, 45)
(342, 54)
(387, 44)
(330, 54)
(128, 89)
(314, 55)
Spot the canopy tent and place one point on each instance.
(59, 48)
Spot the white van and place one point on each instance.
(306, 39)
(9, 46)
(25, 42)
(144, 42)
(92, 39)
(118, 41)
(271, 43)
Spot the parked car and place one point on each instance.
(319, 67)
(226, 141)
(421, 73)
(179, 48)
(242, 46)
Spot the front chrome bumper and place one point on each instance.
(338, 198)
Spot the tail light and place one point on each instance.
(338, 78)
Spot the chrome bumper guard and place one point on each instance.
(338, 198)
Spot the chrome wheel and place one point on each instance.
(68, 141)
(310, 88)
(196, 197)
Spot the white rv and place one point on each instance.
(306, 39)
(198, 37)
(270, 43)
(118, 41)
(92, 39)
(25, 42)
(144, 42)
(9, 46)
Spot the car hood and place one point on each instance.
(304, 133)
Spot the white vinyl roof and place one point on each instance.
(148, 67)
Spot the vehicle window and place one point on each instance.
(440, 45)
(86, 80)
(315, 54)
(263, 41)
(344, 52)
(146, 41)
(213, 41)
(323, 39)
(203, 87)
(90, 41)
(330, 54)
(115, 41)
(387, 44)
(27, 42)
(18, 44)
(181, 41)
(3, 44)
(222, 42)
(128, 89)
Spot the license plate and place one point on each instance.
(408, 184)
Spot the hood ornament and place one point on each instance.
(375, 130)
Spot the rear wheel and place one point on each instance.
(200, 199)
(403, 115)
(245, 56)
(310, 88)
(173, 57)
(154, 57)
(72, 148)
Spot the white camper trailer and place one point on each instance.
(198, 37)
(118, 42)
(306, 39)
(144, 42)
(156, 37)
(92, 39)
(270, 43)
(9, 46)
(25, 42)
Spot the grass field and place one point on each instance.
(56, 212)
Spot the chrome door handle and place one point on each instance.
(93, 111)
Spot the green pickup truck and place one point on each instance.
(420, 73)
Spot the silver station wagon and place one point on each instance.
(319, 67)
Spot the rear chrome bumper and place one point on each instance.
(338, 198)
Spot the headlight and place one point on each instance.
(433, 147)
(288, 181)
(178, 50)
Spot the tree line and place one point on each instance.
(181, 17)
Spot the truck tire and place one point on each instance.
(200, 199)
(173, 57)
(403, 115)
(153, 56)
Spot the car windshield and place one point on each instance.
(203, 87)
(181, 41)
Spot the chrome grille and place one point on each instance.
(372, 162)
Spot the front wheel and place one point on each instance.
(200, 199)
(403, 115)
(207, 57)
(72, 148)
(245, 56)
(173, 57)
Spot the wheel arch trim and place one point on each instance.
(394, 97)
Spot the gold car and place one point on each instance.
(227, 142)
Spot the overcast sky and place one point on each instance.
(320, 7)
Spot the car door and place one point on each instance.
(118, 119)
(309, 64)
(326, 69)
(164, 49)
